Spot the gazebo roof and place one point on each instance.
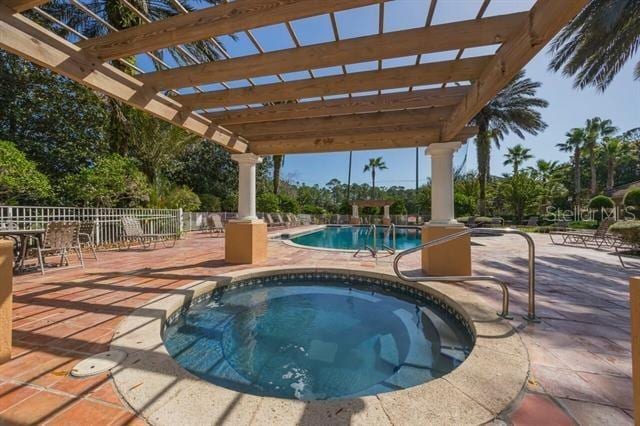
(372, 203)
(414, 105)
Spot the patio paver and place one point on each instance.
(580, 352)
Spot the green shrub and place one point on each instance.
(210, 203)
(601, 202)
(584, 224)
(628, 230)
(632, 198)
(182, 197)
(288, 204)
(267, 202)
(312, 209)
(20, 182)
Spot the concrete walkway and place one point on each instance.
(580, 352)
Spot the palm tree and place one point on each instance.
(595, 129)
(120, 16)
(278, 162)
(547, 173)
(516, 156)
(574, 144)
(598, 42)
(512, 110)
(545, 170)
(374, 164)
(614, 150)
(349, 177)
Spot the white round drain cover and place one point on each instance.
(99, 363)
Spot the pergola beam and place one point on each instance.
(431, 73)
(23, 5)
(227, 18)
(356, 141)
(546, 19)
(418, 41)
(353, 105)
(333, 125)
(25, 38)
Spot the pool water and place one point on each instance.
(353, 238)
(316, 338)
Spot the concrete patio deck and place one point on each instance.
(579, 353)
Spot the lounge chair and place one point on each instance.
(59, 239)
(601, 236)
(471, 222)
(532, 221)
(214, 224)
(291, 219)
(132, 232)
(87, 236)
(281, 220)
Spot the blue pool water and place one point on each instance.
(317, 337)
(353, 237)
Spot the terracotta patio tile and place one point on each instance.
(564, 383)
(11, 394)
(106, 393)
(618, 390)
(537, 410)
(86, 413)
(589, 414)
(578, 360)
(35, 409)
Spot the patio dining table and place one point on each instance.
(20, 236)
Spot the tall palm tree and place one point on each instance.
(545, 170)
(118, 15)
(547, 173)
(598, 42)
(614, 150)
(374, 164)
(349, 177)
(512, 110)
(278, 162)
(516, 156)
(574, 144)
(596, 128)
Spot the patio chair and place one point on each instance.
(132, 232)
(281, 220)
(532, 221)
(471, 222)
(293, 220)
(601, 236)
(59, 238)
(215, 225)
(87, 236)
(271, 221)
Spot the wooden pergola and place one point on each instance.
(294, 116)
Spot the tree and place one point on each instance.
(278, 162)
(114, 181)
(516, 156)
(521, 192)
(596, 128)
(267, 202)
(20, 181)
(614, 149)
(374, 164)
(598, 42)
(574, 143)
(512, 110)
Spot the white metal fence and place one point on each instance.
(108, 225)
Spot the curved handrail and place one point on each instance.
(371, 228)
(391, 231)
(531, 312)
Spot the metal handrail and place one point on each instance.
(531, 312)
(372, 250)
(391, 230)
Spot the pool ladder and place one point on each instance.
(373, 249)
(531, 311)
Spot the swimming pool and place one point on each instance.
(312, 336)
(353, 237)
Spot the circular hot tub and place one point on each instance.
(318, 336)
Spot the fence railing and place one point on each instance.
(197, 221)
(108, 224)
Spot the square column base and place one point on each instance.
(6, 284)
(452, 258)
(355, 220)
(245, 242)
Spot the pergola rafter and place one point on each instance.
(377, 108)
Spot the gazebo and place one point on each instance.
(356, 204)
(423, 104)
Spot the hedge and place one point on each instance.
(628, 230)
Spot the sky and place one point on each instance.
(568, 108)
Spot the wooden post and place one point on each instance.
(6, 285)
(634, 293)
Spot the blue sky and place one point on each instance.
(568, 108)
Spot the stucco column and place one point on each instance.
(442, 212)
(386, 219)
(247, 185)
(454, 257)
(246, 237)
(354, 210)
(6, 283)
